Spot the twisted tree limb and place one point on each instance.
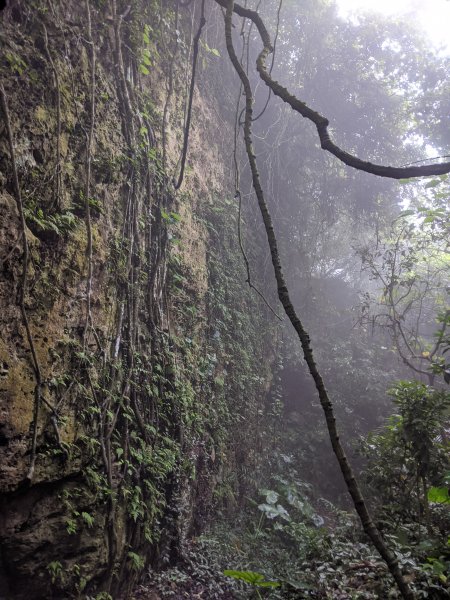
(283, 294)
(319, 120)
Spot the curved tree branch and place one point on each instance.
(283, 294)
(322, 122)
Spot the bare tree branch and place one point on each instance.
(322, 122)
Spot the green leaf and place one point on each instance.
(433, 183)
(251, 577)
(271, 496)
(137, 561)
(440, 495)
(272, 511)
(88, 519)
(143, 69)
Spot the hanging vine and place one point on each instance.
(23, 289)
(187, 126)
(284, 297)
(58, 172)
(87, 188)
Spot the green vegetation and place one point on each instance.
(160, 424)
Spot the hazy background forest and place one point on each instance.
(357, 252)
(367, 264)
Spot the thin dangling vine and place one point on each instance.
(187, 126)
(23, 289)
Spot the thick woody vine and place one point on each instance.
(321, 124)
(283, 294)
(23, 288)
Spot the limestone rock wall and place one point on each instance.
(118, 406)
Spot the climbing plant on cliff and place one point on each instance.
(119, 327)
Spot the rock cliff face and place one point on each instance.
(131, 361)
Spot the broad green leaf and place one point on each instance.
(433, 183)
(439, 495)
(251, 577)
(271, 496)
(272, 511)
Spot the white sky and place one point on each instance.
(432, 15)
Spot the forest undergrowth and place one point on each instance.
(287, 543)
